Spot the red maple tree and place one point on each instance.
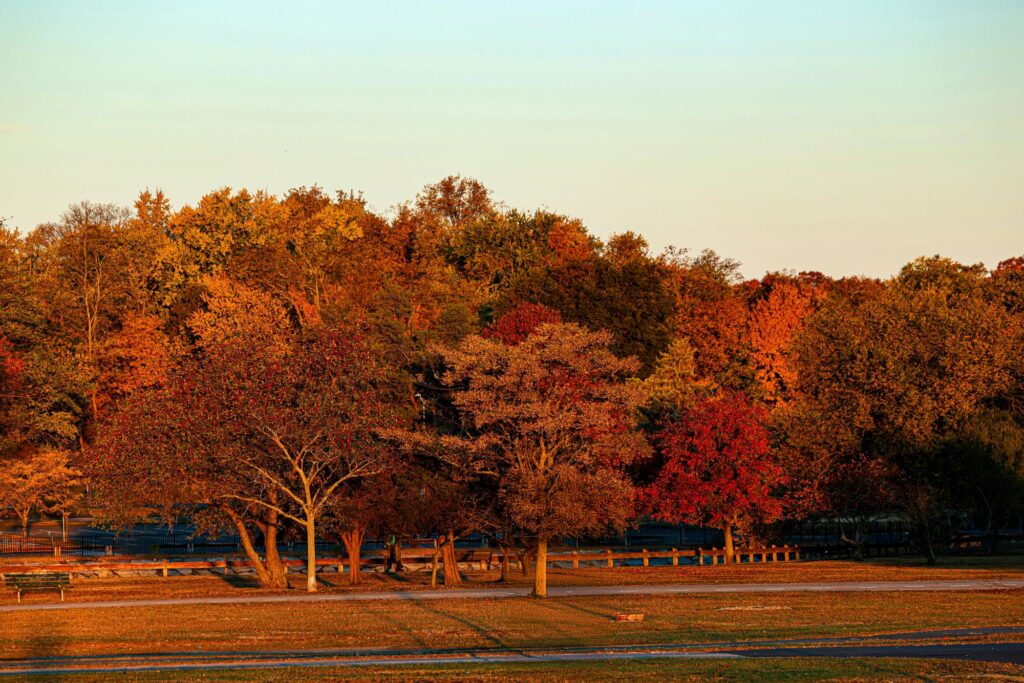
(718, 468)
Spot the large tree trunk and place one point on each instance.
(353, 540)
(730, 551)
(452, 577)
(540, 574)
(275, 567)
(23, 516)
(262, 574)
(310, 554)
(398, 566)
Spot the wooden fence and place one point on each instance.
(482, 558)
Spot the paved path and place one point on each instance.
(838, 646)
(555, 592)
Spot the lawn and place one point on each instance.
(523, 623)
(649, 670)
(498, 623)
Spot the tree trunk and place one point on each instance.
(540, 574)
(262, 575)
(24, 522)
(310, 554)
(433, 567)
(399, 567)
(450, 561)
(929, 549)
(524, 561)
(505, 550)
(353, 540)
(730, 551)
(275, 567)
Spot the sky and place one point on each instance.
(845, 137)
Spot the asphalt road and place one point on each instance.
(555, 592)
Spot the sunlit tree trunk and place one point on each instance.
(730, 551)
(262, 575)
(353, 540)
(310, 554)
(540, 574)
(452, 577)
(275, 567)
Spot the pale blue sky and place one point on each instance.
(847, 137)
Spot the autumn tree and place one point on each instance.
(890, 374)
(42, 388)
(716, 468)
(515, 326)
(711, 312)
(623, 291)
(551, 420)
(673, 387)
(982, 466)
(43, 482)
(775, 321)
(158, 453)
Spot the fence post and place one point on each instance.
(611, 562)
(646, 561)
(164, 569)
(798, 553)
(575, 559)
(675, 557)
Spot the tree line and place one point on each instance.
(304, 367)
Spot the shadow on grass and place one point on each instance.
(240, 581)
(477, 628)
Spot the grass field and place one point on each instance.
(652, 670)
(522, 623)
(505, 623)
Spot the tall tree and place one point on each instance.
(551, 420)
(717, 468)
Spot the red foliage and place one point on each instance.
(11, 364)
(519, 323)
(718, 466)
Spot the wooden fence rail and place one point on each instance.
(482, 557)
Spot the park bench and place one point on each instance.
(50, 581)
(483, 556)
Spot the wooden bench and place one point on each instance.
(483, 556)
(50, 581)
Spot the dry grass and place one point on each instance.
(526, 623)
(500, 623)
